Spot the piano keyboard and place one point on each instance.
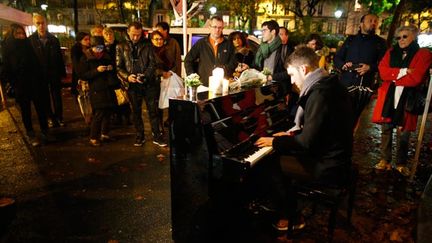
(257, 155)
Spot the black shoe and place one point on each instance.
(159, 140)
(139, 142)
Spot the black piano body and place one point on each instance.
(210, 142)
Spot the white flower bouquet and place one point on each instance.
(192, 80)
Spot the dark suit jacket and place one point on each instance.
(50, 58)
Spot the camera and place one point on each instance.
(140, 77)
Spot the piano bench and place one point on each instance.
(331, 197)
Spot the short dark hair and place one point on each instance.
(364, 16)
(271, 25)
(164, 26)
(284, 28)
(81, 36)
(303, 55)
(156, 32)
(217, 17)
(136, 25)
(317, 37)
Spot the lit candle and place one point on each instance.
(218, 75)
(225, 86)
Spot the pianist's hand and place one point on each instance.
(264, 142)
(280, 134)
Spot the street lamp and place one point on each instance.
(213, 10)
(338, 13)
(44, 6)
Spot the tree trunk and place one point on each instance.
(395, 21)
(121, 10)
(253, 19)
(75, 9)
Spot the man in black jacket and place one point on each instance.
(211, 52)
(47, 49)
(135, 63)
(359, 56)
(322, 151)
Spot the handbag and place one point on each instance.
(121, 96)
(416, 99)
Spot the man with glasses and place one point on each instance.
(272, 53)
(135, 64)
(269, 53)
(211, 52)
(360, 54)
(47, 49)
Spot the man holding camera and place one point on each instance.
(360, 54)
(135, 63)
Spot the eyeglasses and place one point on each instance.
(401, 37)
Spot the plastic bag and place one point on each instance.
(171, 87)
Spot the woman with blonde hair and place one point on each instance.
(403, 69)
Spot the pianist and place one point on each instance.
(322, 151)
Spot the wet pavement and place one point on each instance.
(68, 191)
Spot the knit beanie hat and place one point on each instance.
(97, 41)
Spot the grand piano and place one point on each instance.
(212, 154)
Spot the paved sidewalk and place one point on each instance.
(17, 170)
(68, 191)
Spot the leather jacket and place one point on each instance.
(144, 63)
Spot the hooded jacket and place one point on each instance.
(102, 84)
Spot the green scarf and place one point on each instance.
(265, 50)
(397, 52)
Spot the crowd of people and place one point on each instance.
(318, 148)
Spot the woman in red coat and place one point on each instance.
(403, 68)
